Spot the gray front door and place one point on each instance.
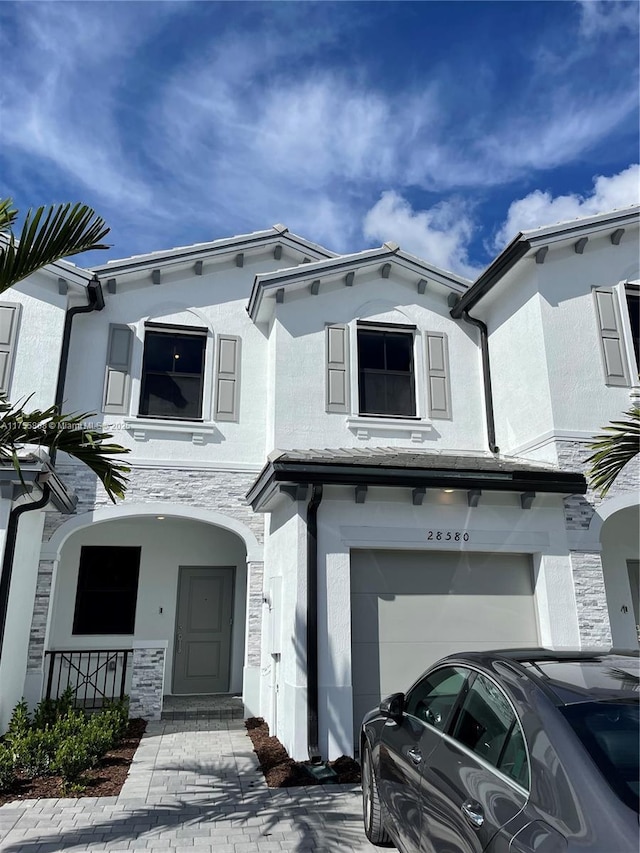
(203, 630)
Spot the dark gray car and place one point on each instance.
(524, 751)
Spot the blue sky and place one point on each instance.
(446, 127)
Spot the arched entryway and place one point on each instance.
(619, 537)
(169, 585)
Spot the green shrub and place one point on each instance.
(50, 710)
(33, 752)
(20, 722)
(99, 736)
(72, 758)
(71, 724)
(7, 771)
(118, 714)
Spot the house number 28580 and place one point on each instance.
(447, 536)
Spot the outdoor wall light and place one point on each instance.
(448, 491)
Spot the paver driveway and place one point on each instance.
(194, 787)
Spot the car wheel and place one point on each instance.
(371, 805)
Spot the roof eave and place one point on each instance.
(281, 473)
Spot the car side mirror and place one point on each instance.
(393, 707)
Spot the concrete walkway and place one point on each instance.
(193, 787)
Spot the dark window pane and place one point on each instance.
(172, 374)
(399, 352)
(611, 734)
(513, 761)
(385, 373)
(400, 396)
(432, 699)
(371, 350)
(485, 720)
(188, 355)
(107, 590)
(158, 352)
(172, 396)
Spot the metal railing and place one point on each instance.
(96, 676)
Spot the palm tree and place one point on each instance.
(47, 235)
(614, 450)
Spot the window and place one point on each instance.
(386, 382)
(487, 725)
(632, 293)
(432, 698)
(172, 374)
(107, 590)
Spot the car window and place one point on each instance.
(488, 726)
(433, 697)
(610, 731)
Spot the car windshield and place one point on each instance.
(611, 733)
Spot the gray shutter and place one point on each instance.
(611, 343)
(117, 383)
(227, 378)
(439, 388)
(338, 369)
(9, 317)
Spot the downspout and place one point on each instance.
(95, 303)
(9, 553)
(312, 624)
(486, 374)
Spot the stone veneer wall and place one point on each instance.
(220, 491)
(588, 577)
(147, 678)
(253, 640)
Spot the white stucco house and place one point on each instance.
(343, 467)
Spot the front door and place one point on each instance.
(202, 648)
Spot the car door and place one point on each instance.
(477, 779)
(406, 745)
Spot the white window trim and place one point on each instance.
(418, 425)
(203, 425)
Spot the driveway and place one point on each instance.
(193, 787)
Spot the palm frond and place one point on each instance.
(8, 214)
(614, 450)
(66, 433)
(48, 234)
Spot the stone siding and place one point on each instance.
(255, 593)
(591, 599)
(40, 615)
(221, 491)
(588, 577)
(147, 678)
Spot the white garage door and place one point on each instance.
(410, 608)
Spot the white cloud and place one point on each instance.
(440, 235)
(541, 208)
(607, 17)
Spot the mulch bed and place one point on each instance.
(280, 771)
(104, 780)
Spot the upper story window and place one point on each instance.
(172, 374)
(395, 371)
(386, 381)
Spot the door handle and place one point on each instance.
(179, 649)
(415, 755)
(473, 812)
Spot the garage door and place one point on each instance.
(410, 608)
